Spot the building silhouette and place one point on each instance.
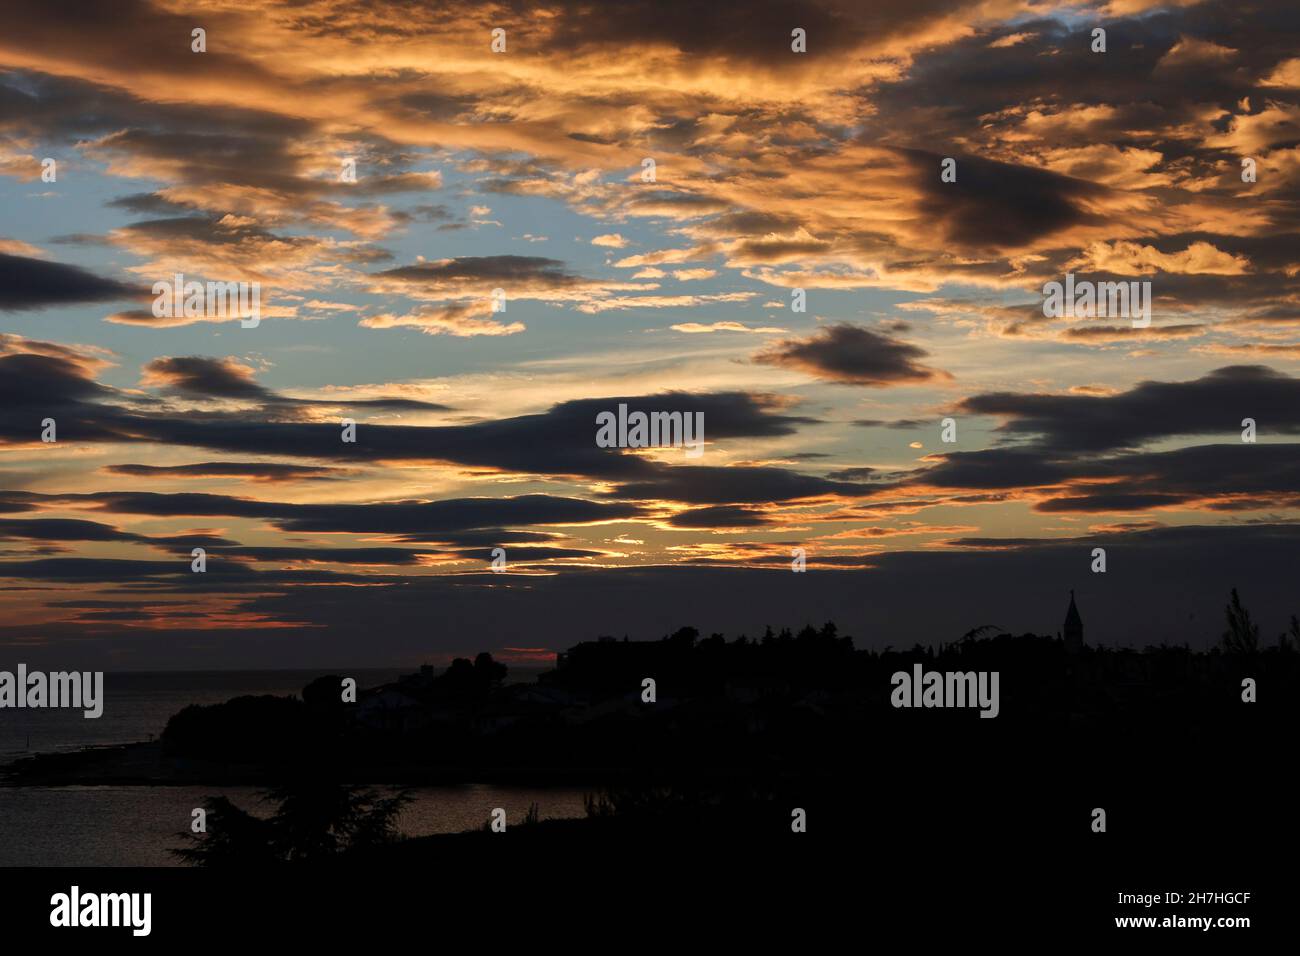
(1073, 627)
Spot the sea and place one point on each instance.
(139, 825)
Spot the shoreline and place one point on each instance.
(143, 764)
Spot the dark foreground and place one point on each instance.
(963, 868)
(950, 843)
(923, 826)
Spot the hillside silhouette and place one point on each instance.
(784, 702)
(767, 705)
(741, 733)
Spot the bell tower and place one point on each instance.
(1073, 628)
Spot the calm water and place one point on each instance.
(135, 826)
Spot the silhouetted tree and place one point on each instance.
(489, 671)
(245, 728)
(1290, 639)
(684, 637)
(323, 694)
(234, 837)
(465, 683)
(316, 818)
(1242, 635)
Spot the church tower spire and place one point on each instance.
(1073, 627)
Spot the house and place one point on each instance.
(750, 690)
(390, 709)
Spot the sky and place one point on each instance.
(836, 254)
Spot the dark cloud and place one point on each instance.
(34, 387)
(201, 377)
(28, 379)
(1128, 331)
(472, 271)
(111, 32)
(1236, 476)
(994, 468)
(206, 229)
(402, 518)
(852, 355)
(61, 529)
(354, 556)
(560, 441)
(150, 204)
(518, 555)
(1137, 80)
(760, 38)
(901, 424)
(254, 470)
(705, 484)
(1213, 404)
(675, 204)
(258, 160)
(63, 107)
(722, 516)
(1111, 502)
(27, 283)
(195, 376)
(853, 474)
(426, 212)
(258, 471)
(187, 542)
(106, 570)
(999, 206)
(746, 223)
(1084, 452)
(111, 605)
(479, 537)
(439, 107)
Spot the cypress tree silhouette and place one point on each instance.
(1242, 635)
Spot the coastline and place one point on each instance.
(145, 764)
